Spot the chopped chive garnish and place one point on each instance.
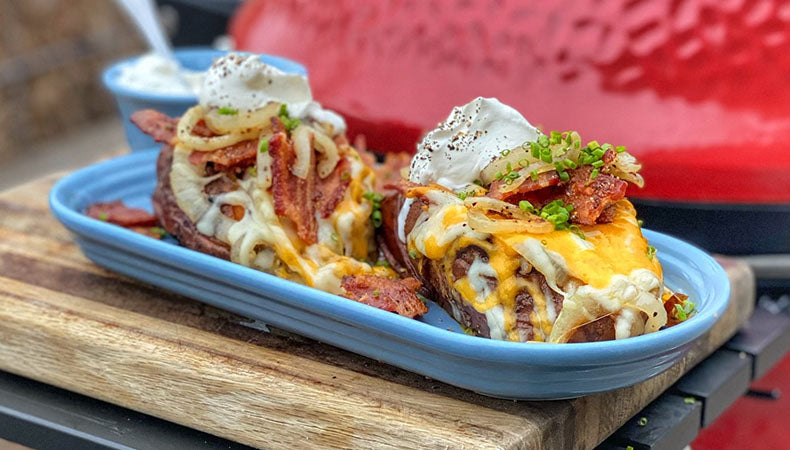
(534, 175)
(413, 253)
(640, 222)
(523, 162)
(376, 218)
(253, 171)
(509, 167)
(499, 176)
(335, 237)
(159, 231)
(103, 217)
(462, 195)
(689, 400)
(642, 421)
(592, 145)
(264, 146)
(382, 263)
(594, 174)
(376, 292)
(525, 205)
(651, 252)
(597, 164)
(505, 152)
(577, 231)
(620, 148)
(570, 164)
(225, 111)
(564, 176)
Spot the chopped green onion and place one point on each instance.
(335, 237)
(283, 111)
(577, 231)
(598, 152)
(564, 176)
(640, 222)
(629, 447)
(543, 140)
(158, 231)
(376, 292)
(689, 400)
(462, 195)
(535, 149)
(525, 205)
(570, 164)
(382, 263)
(103, 217)
(413, 253)
(642, 421)
(592, 145)
(594, 174)
(534, 175)
(620, 148)
(225, 111)
(264, 146)
(523, 162)
(651, 252)
(499, 176)
(253, 171)
(597, 164)
(375, 216)
(505, 152)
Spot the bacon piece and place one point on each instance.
(331, 190)
(202, 130)
(242, 154)
(159, 126)
(398, 296)
(591, 197)
(118, 213)
(293, 196)
(235, 212)
(152, 232)
(527, 185)
(675, 300)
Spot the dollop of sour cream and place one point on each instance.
(454, 154)
(158, 74)
(245, 83)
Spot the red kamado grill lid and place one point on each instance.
(697, 90)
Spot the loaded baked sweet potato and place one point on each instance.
(259, 174)
(523, 236)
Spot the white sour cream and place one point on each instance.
(155, 73)
(244, 82)
(454, 154)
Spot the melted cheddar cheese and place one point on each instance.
(608, 272)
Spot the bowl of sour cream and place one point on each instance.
(155, 82)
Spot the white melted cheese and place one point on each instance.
(259, 239)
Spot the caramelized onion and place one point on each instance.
(626, 168)
(235, 123)
(205, 144)
(488, 215)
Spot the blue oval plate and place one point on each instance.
(434, 346)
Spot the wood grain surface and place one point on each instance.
(69, 323)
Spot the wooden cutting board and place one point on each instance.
(69, 323)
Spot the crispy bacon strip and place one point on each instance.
(242, 154)
(396, 296)
(118, 213)
(669, 305)
(528, 185)
(293, 196)
(152, 232)
(331, 190)
(159, 126)
(591, 197)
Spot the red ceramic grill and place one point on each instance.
(697, 90)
